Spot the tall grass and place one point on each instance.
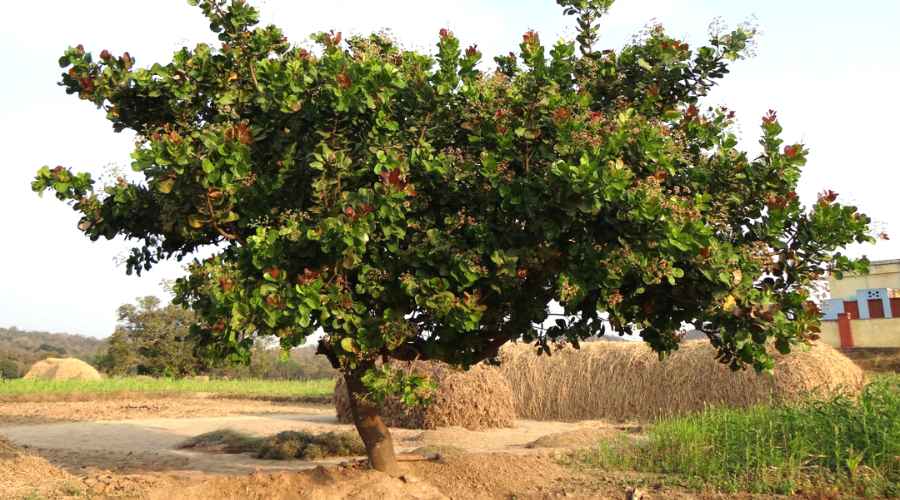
(48, 390)
(632, 384)
(850, 445)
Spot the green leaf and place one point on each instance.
(165, 186)
(348, 344)
(195, 221)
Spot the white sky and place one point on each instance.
(831, 71)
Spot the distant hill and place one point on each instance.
(19, 349)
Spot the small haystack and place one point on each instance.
(479, 398)
(626, 381)
(62, 369)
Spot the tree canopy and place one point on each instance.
(152, 340)
(432, 206)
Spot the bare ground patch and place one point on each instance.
(36, 412)
(139, 458)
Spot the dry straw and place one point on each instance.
(626, 381)
(62, 369)
(480, 398)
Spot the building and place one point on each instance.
(864, 310)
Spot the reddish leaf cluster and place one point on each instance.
(344, 80)
(335, 38)
(226, 284)
(274, 301)
(240, 132)
(393, 178)
(827, 197)
(777, 201)
(307, 276)
(674, 44)
(364, 209)
(692, 112)
(561, 114)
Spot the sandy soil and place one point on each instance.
(18, 413)
(140, 445)
(135, 455)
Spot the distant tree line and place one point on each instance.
(153, 339)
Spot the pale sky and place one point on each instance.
(831, 70)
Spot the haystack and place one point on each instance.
(626, 381)
(62, 369)
(479, 398)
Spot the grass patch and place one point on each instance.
(840, 445)
(282, 446)
(73, 390)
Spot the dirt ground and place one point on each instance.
(128, 449)
(15, 413)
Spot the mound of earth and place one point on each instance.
(62, 369)
(331, 483)
(581, 438)
(23, 475)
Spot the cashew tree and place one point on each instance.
(395, 205)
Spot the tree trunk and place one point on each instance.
(375, 435)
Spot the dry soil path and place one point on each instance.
(151, 444)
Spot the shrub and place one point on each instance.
(306, 446)
(9, 369)
(223, 440)
(282, 446)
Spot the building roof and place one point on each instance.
(884, 262)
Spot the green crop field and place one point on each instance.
(840, 446)
(66, 390)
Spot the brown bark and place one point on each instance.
(375, 435)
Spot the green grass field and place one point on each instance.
(69, 390)
(842, 446)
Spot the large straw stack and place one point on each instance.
(626, 381)
(62, 369)
(479, 398)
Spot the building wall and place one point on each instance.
(830, 335)
(882, 274)
(866, 333)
